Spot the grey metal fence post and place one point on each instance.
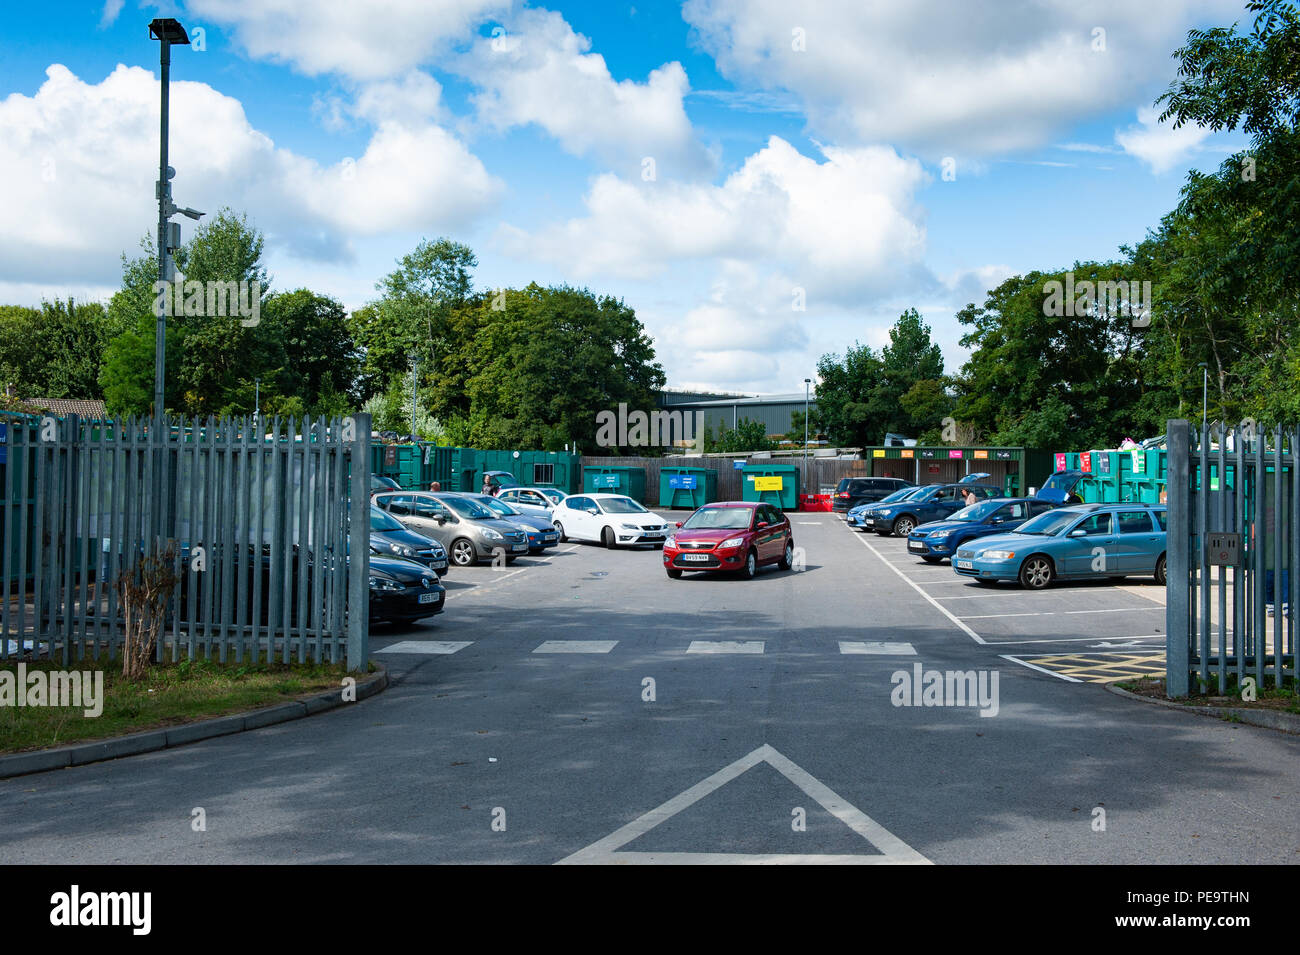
(1178, 452)
(358, 564)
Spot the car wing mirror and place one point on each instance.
(761, 524)
(679, 523)
(1079, 532)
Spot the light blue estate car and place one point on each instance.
(1085, 541)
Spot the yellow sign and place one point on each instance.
(773, 483)
(878, 453)
(981, 454)
(907, 453)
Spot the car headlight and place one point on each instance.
(884, 512)
(401, 550)
(384, 583)
(999, 554)
(732, 542)
(492, 535)
(631, 527)
(934, 534)
(670, 541)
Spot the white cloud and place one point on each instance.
(926, 76)
(841, 227)
(541, 72)
(109, 16)
(360, 41)
(1158, 144)
(81, 160)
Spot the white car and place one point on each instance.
(532, 500)
(612, 519)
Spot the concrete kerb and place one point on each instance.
(1269, 719)
(38, 761)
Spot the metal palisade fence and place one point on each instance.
(1233, 550)
(268, 561)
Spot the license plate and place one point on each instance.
(519, 547)
(915, 545)
(694, 557)
(965, 565)
(550, 537)
(428, 598)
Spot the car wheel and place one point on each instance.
(559, 529)
(904, 526)
(931, 559)
(1161, 574)
(787, 556)
(462, 552)
(1036, 572)
(607, 536)
(674, 573)
(750, 570)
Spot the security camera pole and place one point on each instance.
(167, 32)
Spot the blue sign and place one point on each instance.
(683, 481)
(738, 465)
(604, 480)
(4, 443)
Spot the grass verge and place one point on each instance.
(171, 694)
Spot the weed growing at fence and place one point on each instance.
(144, 591)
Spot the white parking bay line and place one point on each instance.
(877, 648)
(725, 646)
(427, 646)
(933, 603)
(1062, 613)
(577, 646)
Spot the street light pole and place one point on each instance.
(1205, 391)
(166, 31)
(807, 382)
(415, 365)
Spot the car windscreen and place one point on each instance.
(976, 512)
(1049, 523)
(501, 507)
(467, 508)
(719, 518)
(620, 505)
(927, 492)
(379, 521)
(555, 496)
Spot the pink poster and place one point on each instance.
(1060, 461)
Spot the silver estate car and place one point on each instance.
(541, 532)
(470, 532)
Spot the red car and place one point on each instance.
(730, 535)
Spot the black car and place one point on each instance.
(389, 538)
(402, 591)
(853, 491)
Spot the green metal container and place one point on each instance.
(687, 488)
(785, 497)
(615, 480)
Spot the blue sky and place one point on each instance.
(798, 151)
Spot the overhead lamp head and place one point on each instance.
(169, 31)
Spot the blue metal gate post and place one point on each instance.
(358, 564)
(1177, 585)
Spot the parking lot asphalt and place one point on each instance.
(583, 707)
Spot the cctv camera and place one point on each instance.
(192, 213)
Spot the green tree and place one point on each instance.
(745, 436)
(53, 351)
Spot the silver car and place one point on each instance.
(470, 531)
(541, 532)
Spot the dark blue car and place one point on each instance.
(939, 539)
(935, 503)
